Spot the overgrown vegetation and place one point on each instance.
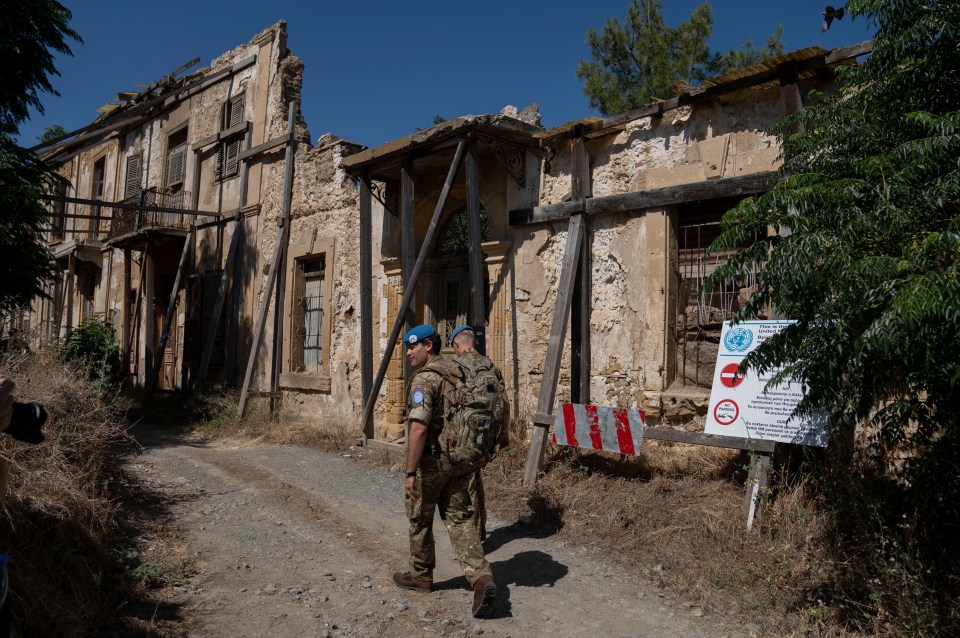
(870, 269)
(640, 59)
(60, 517)
(30, 34)
(94, 347)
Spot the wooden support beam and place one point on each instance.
(283, 235)
(408, 245)
(210, 332)
(408, 238)
(582, 288)
(125, 311)
(266, 146)
(278, 308)
(414, 277)
(99, 218)
(71, 279)
(168, 317)
(138, 207)
(478, 313)
(137, 312)
(558, 330)
(261, 319)
(366, 298)
(757, 480)
(639, 200)
(220, 136)
(237, 289)
(149, 266)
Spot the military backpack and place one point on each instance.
(473, 410)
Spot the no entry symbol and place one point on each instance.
(730, 375)
(726, 412)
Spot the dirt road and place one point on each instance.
(292, 541)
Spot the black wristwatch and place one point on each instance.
(411, 474)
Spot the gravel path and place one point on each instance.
(292, 541)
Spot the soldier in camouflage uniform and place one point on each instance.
(463, 340)
(433, 482)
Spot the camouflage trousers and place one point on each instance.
(478, 498)
(442, 487)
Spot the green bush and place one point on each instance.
(95, 347)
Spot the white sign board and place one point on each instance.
(741, 405)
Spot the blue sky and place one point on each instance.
(375, 70)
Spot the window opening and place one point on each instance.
(131, 185)
(59, 209)
(455, 235)
(701, 310)
(310, 306)
(231, 115)
(96, 190)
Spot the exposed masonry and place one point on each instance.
(636, 276)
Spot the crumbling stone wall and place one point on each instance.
(632, 296)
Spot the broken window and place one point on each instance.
(231, 116)
(455, 234)
(310, 328)
(700, 309)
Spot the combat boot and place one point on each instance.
(484, 596)
(406, 580)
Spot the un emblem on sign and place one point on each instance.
(738, 340)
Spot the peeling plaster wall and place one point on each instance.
(325, 207)
(722, 138)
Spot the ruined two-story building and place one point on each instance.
(220, 201)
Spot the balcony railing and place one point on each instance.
(130, 220)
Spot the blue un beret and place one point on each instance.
(418, 333)
(457, 331)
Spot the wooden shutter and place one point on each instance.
(132, 184)
(236, 110)
(233, 151)
(176, 164)
(230, 115)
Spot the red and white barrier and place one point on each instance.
(597, 427)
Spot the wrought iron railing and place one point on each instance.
(128, 220)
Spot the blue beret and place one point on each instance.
(418, 333)
(457, 331)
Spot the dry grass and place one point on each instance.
(59, 517)
(675, 513)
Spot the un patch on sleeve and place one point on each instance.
(418, 397)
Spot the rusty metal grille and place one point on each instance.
(310, 308)
(701, 310)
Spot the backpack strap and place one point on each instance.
(442, 367)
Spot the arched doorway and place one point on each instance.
(452, 271)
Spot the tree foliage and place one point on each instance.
(869, 193)
(30, 33)
(641, 58)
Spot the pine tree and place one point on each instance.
(639, 59)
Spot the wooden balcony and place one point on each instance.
(131, 225)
